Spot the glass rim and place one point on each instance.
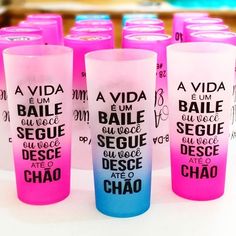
(37, 51)
(202, 48)
(100, 27)
(44, 15)
(208, 20)
(120, 55)
(194, 26)
(159, 37)
(200, 34)
(38, 22)
(142, 26)
(78, 39)
(189, 13)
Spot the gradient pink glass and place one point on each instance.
(49, 30)
(49, 16)
(197, 21)
(38, 90)
(178, 23)
(18, 30)
(153, 22)
(202, 28)
(81, 137)
(200, 87)
(157, 43)
(7, 41)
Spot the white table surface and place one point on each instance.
(169, 214)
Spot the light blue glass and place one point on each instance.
(137, 16)
(92, 17)
(121, 128)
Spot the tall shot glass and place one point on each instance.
(121, 88)
(200, 87)
(38, 91)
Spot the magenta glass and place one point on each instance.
(178, 23)
(94, 23)
(81, 137)
(204, 20)
(7, 41)
(100, 30)
(153, 22)
(189, 29)
(49, 30)
(200, 87)
(20, 30)
(157, 43)
(49, 16)
(39, 92)
(121, 87)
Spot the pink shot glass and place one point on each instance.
(200, 87)
(40, 120)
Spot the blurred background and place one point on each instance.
(13, 11)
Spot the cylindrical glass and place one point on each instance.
(47, 17)
(7, 41)
(158, 44)
(197, 21)
(144, 22)
(121, 87)
(49, 30)
(203, 28)
(81, 137)
(200, 87)
(17, 30)
(39, 92)
(178, 23)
